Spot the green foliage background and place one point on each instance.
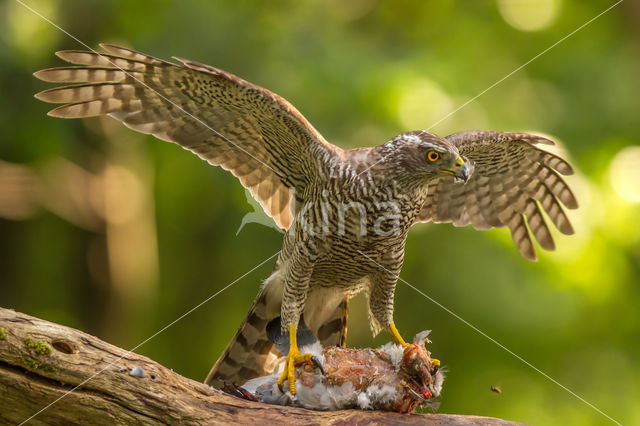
(361, 72)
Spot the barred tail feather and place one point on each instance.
(250, 353)
(333, 330)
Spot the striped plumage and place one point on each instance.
(347, 212)
(512, 180)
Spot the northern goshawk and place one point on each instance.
(346, 212)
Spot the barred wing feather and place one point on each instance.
(513, 181)
(254, 133)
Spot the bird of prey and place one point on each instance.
(346, 212)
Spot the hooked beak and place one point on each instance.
(461, 171)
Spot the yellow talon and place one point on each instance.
(294, 358)
(400, 341)
(396, 336)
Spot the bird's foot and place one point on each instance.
(397, 338)
(294, 359)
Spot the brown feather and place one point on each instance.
(249, 354)
(255, 134)
(512, 180)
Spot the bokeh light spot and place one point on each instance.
(421, 103)
(29, 33)
(624, 174)
(529, 15)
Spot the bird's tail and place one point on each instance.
(250, 353)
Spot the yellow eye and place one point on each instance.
(433, 156)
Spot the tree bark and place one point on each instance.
(52, 374)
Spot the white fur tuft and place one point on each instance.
(396, 352)
(363, 401)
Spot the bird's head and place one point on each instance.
(428, 156)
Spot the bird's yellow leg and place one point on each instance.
(294, 358)
(397, 338)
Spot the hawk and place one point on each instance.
(346, 213)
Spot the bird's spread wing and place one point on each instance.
(512, 179)
(257, 135)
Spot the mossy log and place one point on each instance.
(52, 374)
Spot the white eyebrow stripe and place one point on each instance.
(438, 148)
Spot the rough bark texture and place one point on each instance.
(41, 362)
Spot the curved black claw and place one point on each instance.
(316, 361)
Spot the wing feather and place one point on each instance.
(513, 182)
(255, 134)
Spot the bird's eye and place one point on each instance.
(433, 156)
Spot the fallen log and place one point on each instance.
(52, 374)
